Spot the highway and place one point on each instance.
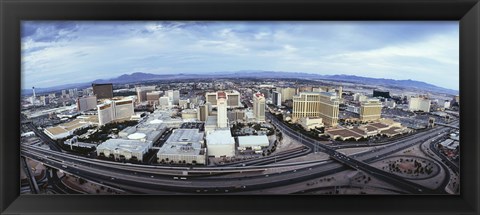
(158, 179)
(356, 163)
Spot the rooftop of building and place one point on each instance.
(221, 95)
(392, 131)
(220, 137)
(125, 145)
(177, 149)
(346, 133)
(56, 130)
(259, 95)
(80, 121)
(260, 140)
(211, 120)
(189, 111)
(378, 125)
(185, 136)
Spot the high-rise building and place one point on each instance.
(277, 98)
(142, 93)
(211, 98)
(87, 91)
(236, 115)
(378, 93)
(115, 110)
(202, 113)
(259, 106)
(124, 109)
(165, 102)
(86, 103)
(176, 97)
(183, 103)
(232, 101)
(73, 93)
(287, 93)
(222, 119)
(34, 96)
(45, 100)
(370, 110)
(105, 113)
(446, 104)
(233, 98)
(153, 97)
(340, 92)
(419, 104)
(103, 91)
(316, 104)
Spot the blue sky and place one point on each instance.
(63, 52)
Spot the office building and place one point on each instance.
(316, 104)
(73, 93)
(102, 91)
(340, 92)
(383, 94)
(165, 102)
(370, 110)
(259, 106)
(176, 97)
(287, 93)
(153, 97)
(142, 93)
(419, 104)
(277, 98)
(446, 104)
(86, 103)
(183, 103)
(222, 119)
(236, 115)
(203, 112)
(45, 100)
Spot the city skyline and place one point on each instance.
(53, 51)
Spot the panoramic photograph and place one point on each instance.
(240, 107)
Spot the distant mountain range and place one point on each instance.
(141, 77)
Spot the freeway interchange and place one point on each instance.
(156, 179)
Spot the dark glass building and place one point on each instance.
(103, 91)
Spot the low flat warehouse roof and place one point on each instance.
(378, 125)
(261, 140)
(344, 133)
(56, 130)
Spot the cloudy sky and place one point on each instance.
(56, 53)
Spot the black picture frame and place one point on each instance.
(467, 12)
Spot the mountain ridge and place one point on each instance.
(141, 76)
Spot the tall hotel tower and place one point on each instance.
(222, 119)
(259, 106)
